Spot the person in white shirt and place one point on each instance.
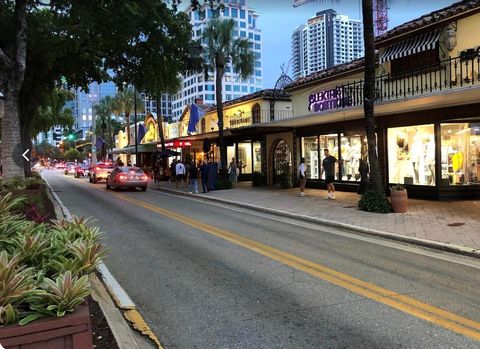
(179, 172)
(301, 174)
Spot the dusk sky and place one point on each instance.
(278, 19)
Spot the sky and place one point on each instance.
(278, 19)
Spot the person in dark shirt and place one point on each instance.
(328, 166)
(192, 174)
(204, 173)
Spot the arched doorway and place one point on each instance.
(256, 118)
(282, 161)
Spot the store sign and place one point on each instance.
(240, 120)
(177, 144)
(329, 99)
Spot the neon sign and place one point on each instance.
(329, 99)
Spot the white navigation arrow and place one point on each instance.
(26, 151)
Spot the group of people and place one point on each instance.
(328, 167)
(187, 173)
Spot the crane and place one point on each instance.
(380, 14)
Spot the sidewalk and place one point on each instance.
(455, 222)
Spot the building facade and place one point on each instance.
(194, 85)
(328, 39)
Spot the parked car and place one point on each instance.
(81, 171)
(100, 172)
(127, 177)
(70, 167)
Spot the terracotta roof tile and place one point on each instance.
(430, 18)
(326, 73)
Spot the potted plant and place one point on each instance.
(399, 198)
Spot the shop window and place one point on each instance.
(310, 153)
(256, 119)
(330, 142)
(257, 156)
(245, 158)
(427, 60)
(411, 155)
(460, 153)
(230, 153)
(351, 149)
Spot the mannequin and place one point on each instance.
(430, 159)
(415, 157)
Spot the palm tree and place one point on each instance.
(220, 50)
(125, 103)
(104, 111)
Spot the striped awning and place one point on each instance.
(417, 44)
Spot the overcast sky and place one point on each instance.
(278, 19)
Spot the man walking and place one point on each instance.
(204, 172)
(193, 181)
(180, 172)
(328, 166)
(301, 175)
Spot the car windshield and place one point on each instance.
(131, 169)
(71, 164)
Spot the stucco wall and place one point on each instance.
(468, 30)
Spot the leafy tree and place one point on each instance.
(73, 154)
(104, 111)
(220, 50)
(125, 101)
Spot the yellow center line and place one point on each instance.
(441, 317)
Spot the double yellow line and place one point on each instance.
(401, 302)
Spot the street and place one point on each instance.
(205, 275)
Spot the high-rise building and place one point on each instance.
(194, 85)
(327, 39)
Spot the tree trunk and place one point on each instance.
(26, 145)
(127, 120)
(376, 181)
(160, 121)
(12, 72)
(221, 141)
(12, 164)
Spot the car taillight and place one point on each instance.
(123, 177)
(143, 178)
(97, 168)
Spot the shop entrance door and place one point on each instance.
(282, 162)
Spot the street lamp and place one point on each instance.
(135, 121)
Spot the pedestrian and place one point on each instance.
(232, 170)
(173, 177)
(156, 172)
(301, 175)
(204, 173)
(193, 180)
(180, 172)
(187, 163)
(328, 166)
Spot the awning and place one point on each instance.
(417, 44)
(141, 148)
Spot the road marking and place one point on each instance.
(444, 256)
(441, 317)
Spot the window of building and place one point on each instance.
(250, 36)
(242, 14)
(429, 59)
(244, 89)
(243, 34)
(243, 25)
(351, 149)
(234, 12)
(236, 88)
(258, 73)
(329, 142)
(257, 156)
(310, 153)
(209, 88)
(228, 87)
(256, 117)
(460, 153)
(257, 37)
(209, 97)
(411, 155)
(228, 97)
(226, 11)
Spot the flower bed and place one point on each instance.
(44, 271)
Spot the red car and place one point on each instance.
(81, 171)
(100, 172)
(127, 177)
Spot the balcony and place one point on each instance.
(448, 75)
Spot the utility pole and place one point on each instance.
(94, 141)
(135, 121)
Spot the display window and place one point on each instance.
(330, 142)
(310, 153)
(245, 157)
(231, 153)
(460, 153)
(351, 149)
(411, 155)
(257, 156)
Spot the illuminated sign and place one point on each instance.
(329, 99)
(176, 144)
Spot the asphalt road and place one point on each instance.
(205, 275)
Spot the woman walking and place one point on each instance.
(232, 170)
(301, 175)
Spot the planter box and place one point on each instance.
(72, 331)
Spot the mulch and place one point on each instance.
(102, 335)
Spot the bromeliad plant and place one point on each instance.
(43, 268)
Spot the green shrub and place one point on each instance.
(373, 201)
(223, 184)
(73, 154)
(257, 179)
(33, 255)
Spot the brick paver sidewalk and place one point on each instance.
(454, 222)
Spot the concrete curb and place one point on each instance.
(124, 335)
(437, 245)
